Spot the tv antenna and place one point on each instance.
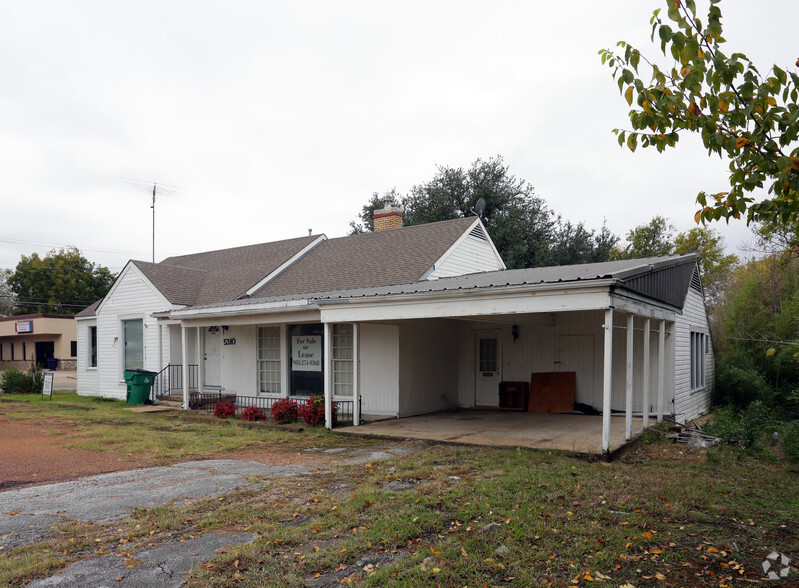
(479, 208)
(160, 189)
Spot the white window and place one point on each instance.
(342, 357)
(489, 358)
(133, 340)
(698, 341)
(269, 360)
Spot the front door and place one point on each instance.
(44, 351)
(487, 368)
(212, 362)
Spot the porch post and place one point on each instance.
(327, 376)
(184, 367)
(607, 381)
(628, 400)
(647, 326)
(356, 393)
(200, 361)
(661, 367)
(160, 345)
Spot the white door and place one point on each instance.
(212, 361)
(576, 354)
(487, 368)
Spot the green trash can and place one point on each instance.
(139, 384)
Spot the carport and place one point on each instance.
(567, 432)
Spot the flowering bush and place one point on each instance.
(253, 413)
(224, 409)
(313, 410)
(284, 411)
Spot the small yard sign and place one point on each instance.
(47, 386)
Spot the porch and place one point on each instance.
(566, 432)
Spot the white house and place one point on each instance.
(406, 321)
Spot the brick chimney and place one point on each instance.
(388, 217)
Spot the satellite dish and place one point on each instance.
(480, 207)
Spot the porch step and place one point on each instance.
(175, 400)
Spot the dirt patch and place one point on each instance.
(33, 453)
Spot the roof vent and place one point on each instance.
(478, 232)
(696, 282)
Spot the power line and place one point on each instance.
(55, 245)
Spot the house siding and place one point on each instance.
(133, 297)
(470, 256)
(428, 366)
(690, 404)
(86, 376)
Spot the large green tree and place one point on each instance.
(750, 118)
(649, 240)
(61, 282)
(6, 295)
(526, 232)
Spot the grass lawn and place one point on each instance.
(441, 515)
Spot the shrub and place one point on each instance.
(224, 409)
(285, 411)
(15, 381)
(253, 413)
(738, 380)
(312, 410)
(789, 441)
(749, 427)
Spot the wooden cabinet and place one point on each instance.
(514, 395)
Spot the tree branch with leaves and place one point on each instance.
(750, 118)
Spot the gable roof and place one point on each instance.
(368, 260)
(303, 265)
(217, 276)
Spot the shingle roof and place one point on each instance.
(367, 260)
(218, 276)
(89, 310)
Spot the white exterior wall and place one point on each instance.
(378, 365)
(131, 297)
(545, 344)
(87, 376)
(428, 376)
(469, 255)
(690, 404)
(240, 361)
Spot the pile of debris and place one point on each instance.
(692, 435)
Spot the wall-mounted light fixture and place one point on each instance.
(224, 328)
(514, 330)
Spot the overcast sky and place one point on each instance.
(274, 118)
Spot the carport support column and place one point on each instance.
(607, 380)
(184, 367)
(200, 361)
(628, 399)
(356, 394)
(647, 326)
(328, 375)
(661, 367)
